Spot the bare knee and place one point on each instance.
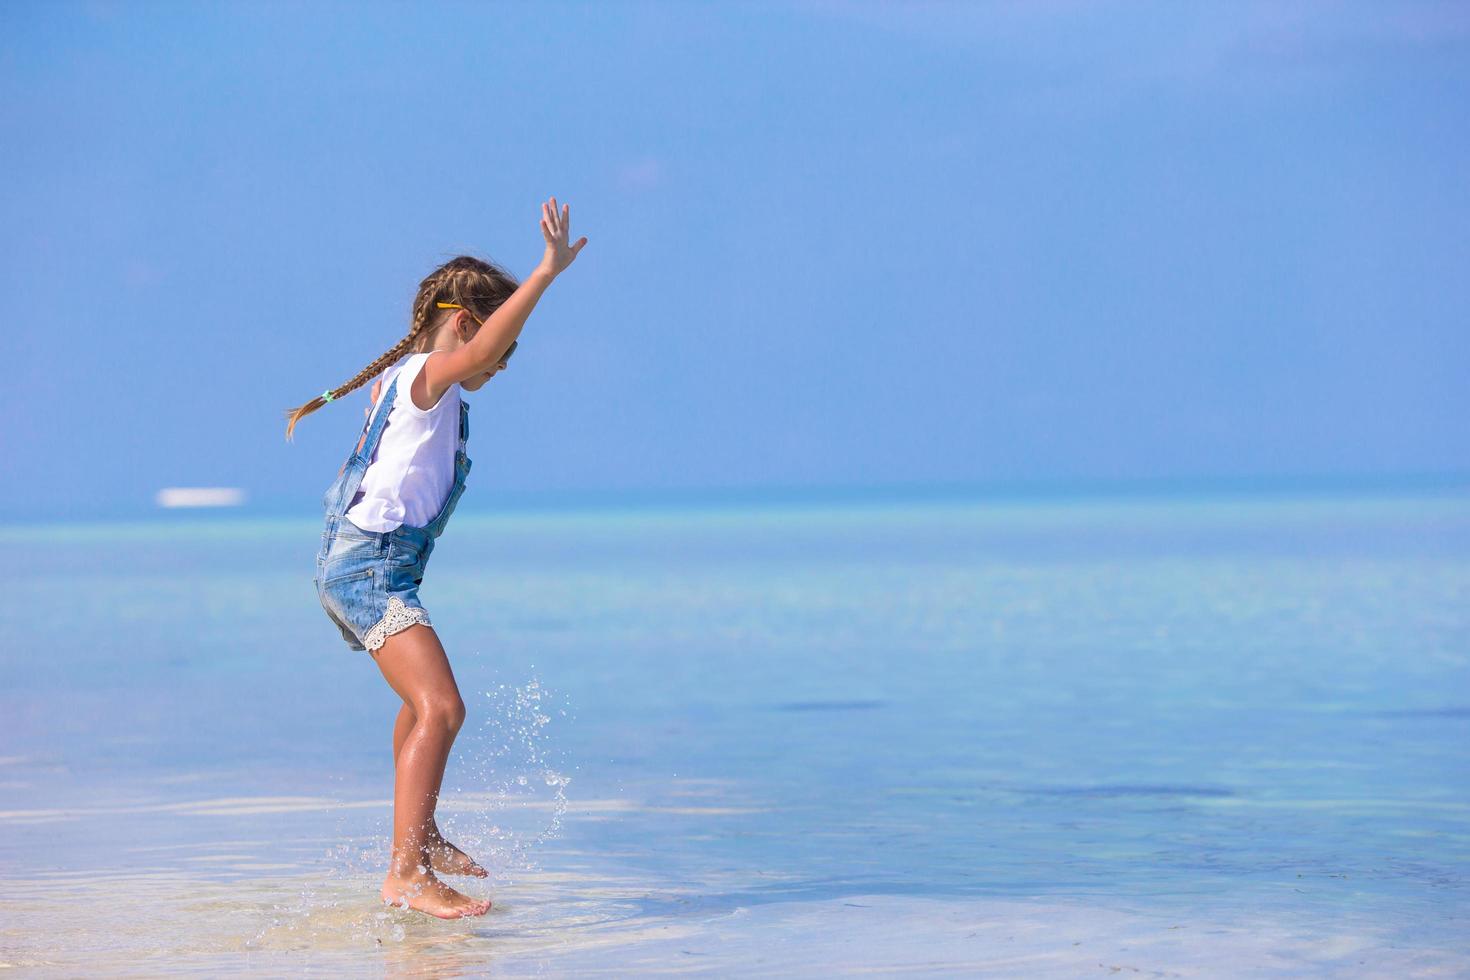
(445, 713)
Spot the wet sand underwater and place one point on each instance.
(1184, 736)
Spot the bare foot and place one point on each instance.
(450, 860)
(419, 889)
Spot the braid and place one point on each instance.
(488, 287)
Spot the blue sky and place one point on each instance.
(831, 245)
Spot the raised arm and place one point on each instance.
(485, 349)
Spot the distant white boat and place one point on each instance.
(200, 497)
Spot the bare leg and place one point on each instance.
(401, 727)
(414, 664)
(445, 858)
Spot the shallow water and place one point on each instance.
(1195, 736)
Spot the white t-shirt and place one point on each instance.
(411, 472)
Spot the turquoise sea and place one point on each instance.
(1194, 735)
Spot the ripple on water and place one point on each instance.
(830, 705)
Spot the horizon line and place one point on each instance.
(1050, 490)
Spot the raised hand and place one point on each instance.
(555, 228)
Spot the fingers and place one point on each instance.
(557, 221)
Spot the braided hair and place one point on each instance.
(477, 285)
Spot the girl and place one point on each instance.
(390, 501)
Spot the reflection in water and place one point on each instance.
(569, 924)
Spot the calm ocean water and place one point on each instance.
(1186, 737)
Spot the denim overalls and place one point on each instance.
(368, 581)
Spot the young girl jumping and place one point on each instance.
(390, 501)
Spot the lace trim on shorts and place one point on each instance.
(399, 616)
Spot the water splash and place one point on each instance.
(504, 795)
(510, 791)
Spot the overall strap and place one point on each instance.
(339, 496)
(378, 419)
(365, 422)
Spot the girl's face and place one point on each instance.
(473, 384)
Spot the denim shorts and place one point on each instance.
(368, 581)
